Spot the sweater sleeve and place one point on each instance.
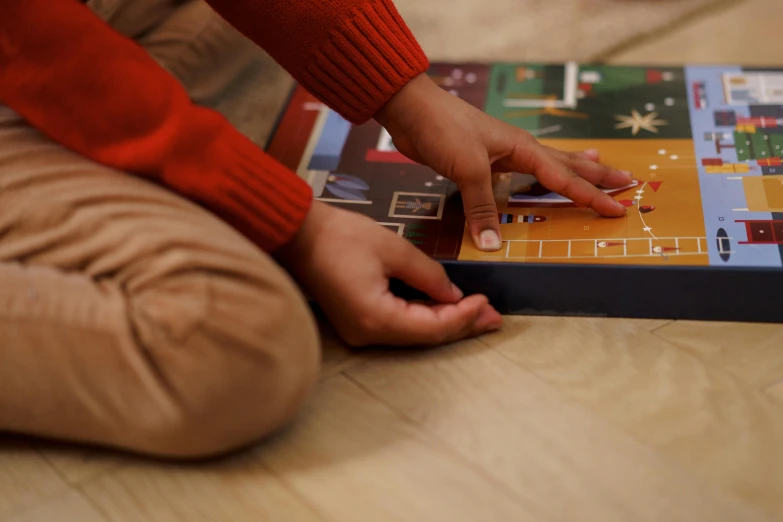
(100, 94)
(353, 55)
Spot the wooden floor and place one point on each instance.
(551, 419)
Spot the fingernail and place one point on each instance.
(489, 240)
(490, 321)
(592, 152)
(630, 175)
(457, 292)
(494, 327)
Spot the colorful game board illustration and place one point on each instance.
(705, 145)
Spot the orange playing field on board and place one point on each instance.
(668, 180)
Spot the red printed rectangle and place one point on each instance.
(382, 156)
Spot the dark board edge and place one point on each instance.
(690, 293)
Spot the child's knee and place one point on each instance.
(233, 358)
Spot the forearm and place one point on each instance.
(354, 55)
(98, 93)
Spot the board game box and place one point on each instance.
(703, 236)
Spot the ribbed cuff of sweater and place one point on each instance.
(365, 62)
(239, 182)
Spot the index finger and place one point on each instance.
(533, 158)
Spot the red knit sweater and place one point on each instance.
(93, 90)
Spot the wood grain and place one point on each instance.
(745, 32)
(704, 418)
(356, 460)
(69, 507)
(511, 30)
(25, 478)
(645, 324)
(236, 490)
(752, 352)
(560, 460)
(77, 465)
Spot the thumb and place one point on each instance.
(481, 211)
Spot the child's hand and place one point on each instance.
(345, 260)
(465, 145)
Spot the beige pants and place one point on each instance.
(129, 317)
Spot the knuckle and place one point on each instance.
(458, 167)
(524, 153)
(565, 185)
(589, 200)
(593, 198)
(483, 211)
(449, 334)
(569, 187)
(523, 135)
(602, 176)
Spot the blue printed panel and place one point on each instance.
(329, 149)
(724, 141)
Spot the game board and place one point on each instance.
(705, 214)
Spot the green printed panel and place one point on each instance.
(591, 101)
(776, 144)
(615, 79)
(515, 82)
(760, 145)
(743, 148)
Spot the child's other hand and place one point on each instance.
(465, 145)
(345, 260)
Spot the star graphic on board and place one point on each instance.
(636, 122)
(647, 229)
(637, 197)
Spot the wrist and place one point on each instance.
(403, 109)
(301, 243)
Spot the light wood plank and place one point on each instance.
(752, 352)
(236, 490)
(70, 507)
(356, 460)
(512, 30)
(647, 324)
(77, 465)
(563, 462)
(709, 421)
(25, 478)
(745, 33)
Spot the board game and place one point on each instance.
(703, 236)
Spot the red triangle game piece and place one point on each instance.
(654, 76)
